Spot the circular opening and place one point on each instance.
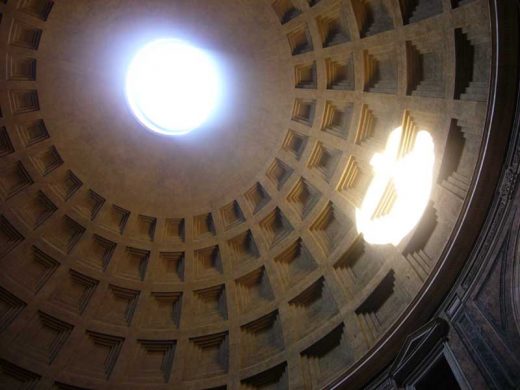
(172, 87)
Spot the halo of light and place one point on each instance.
(172, 87)
(412, 177)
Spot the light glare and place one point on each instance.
(172, 87)
(412, 176)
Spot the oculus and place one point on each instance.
(172, 87)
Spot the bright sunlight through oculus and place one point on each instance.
(411, 176)
(172, 87)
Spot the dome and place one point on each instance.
(231, 257)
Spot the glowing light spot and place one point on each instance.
(172, 87)
(411, 178)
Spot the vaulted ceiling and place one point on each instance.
(229, 257)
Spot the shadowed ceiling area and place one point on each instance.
(228, 258)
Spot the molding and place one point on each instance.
(417, 347)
